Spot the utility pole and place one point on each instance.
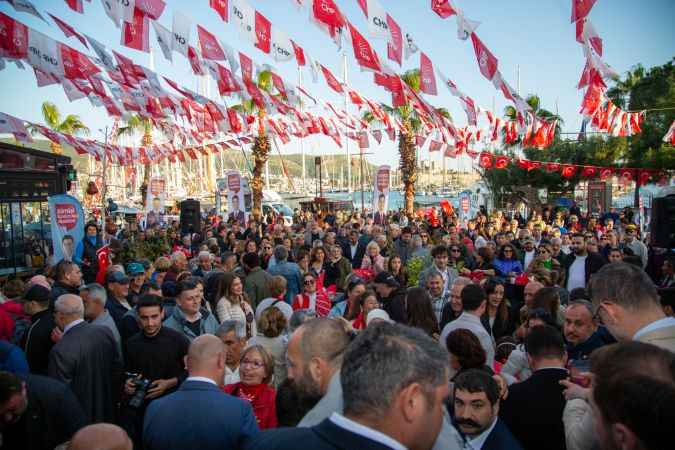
(349, 159)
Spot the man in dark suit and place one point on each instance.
(380, 217)
(87, 359)
(410, 369)
(237, 214)
(534, 408)
(199, 415)
(354, 250)
(37, 341)
(37, 413)
(476, 409)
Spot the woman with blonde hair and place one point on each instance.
(373, 260)
(233, 303)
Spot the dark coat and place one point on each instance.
(53, 415)
(395, 306)
(87, 359)
(37, 341)
(499, 327)
(198, 416)
(500, 438)
(58, 290)
(594, 262)
(584, 349)
(116, 309)
(324, 436)
(534, 408)
(358, 256)
(256, 285)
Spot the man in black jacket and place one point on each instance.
(392, 296)
(37, 413)
(68, 280)
(37, 340)
(354, 250)
(534, 408)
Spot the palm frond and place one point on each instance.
(51, 114)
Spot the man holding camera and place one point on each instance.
(154, 363)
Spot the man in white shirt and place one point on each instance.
(576, 276)
(402, 410)
(627, 303)
(529, 252)
(474, 302)
(233, 334)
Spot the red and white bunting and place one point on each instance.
(395, 45)
(331, 80)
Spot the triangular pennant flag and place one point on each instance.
(395, 45)
(363, 52)
(377, 134)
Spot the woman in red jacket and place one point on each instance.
(312, 297)
(256, 368)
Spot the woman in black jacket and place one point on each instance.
(497, 317)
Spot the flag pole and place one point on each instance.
(349, 165)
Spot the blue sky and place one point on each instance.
(535, 35)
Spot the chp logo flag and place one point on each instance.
(377, 18)
(381, 190)
(363, 52)
(181, 33)
(164, 39)
(209, 45)
(487, 63)
(427, 77)
(282, 46)
(221, 7)
(67, 225)
(395, 45)
(263, 32)
(243, 15)
(443, 8)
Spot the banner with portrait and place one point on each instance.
(67, 225)
(236, 206)
(381, 194)
(155, 199)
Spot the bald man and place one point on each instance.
(102, 436)
(87, 359)
(199, 414)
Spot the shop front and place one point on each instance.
(27, 178)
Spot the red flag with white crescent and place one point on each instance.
(485, 160)
(670, 135)
(568, 170)
(626, 175)
(552, 167)
(427, 77)
(605, 173)
(644, 177)
(487, 62)
(501, 162)
(589, 172)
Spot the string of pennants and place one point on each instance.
(488, 160)
(596, 107)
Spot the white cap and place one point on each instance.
(480, 242)
(377, 314)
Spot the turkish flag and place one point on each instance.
(299, 54)
(485, 160)
(486, 60)
(331, 80)
(136, 34)
(581, 8)
(443, 8)
(589, 172)
(363, 52)
(568, 170)
(13, 38)
(395, 46)
(221, 7)
(263, 32)
(605, 173)
(501, 162)
(427, 77)
(195, 61)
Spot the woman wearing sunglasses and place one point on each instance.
(311, 297)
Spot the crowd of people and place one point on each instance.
(555, 331)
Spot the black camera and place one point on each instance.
(141, 386)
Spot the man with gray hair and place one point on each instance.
(402, 409)
(289, 270)
(581, 331)
(204, 264)
(627, 303)
(86, 359)
(94, 298)
(233, 335)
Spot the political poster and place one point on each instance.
(236, 206)
(67, 225)
(155, 199)
(381, 194)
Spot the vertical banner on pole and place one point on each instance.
(236, 206)
(465, 204)
(155, 199)
(67, 226)
(381, 194)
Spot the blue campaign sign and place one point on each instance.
(67, 225)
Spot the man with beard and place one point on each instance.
(476, 406)
(314, 357)
(37, 413)
(581, 264)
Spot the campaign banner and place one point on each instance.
(465, 204)
(155, 199)
(67, 225)
(381, 193)
(236, 206)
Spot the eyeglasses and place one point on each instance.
(508, 250)
(308, 282)
(254, 364)
(454, 250)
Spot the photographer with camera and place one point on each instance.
(154, 363)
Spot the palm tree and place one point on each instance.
(261, 143)
(71, 124)
(407, 147)
(620, 92)
(134, 125)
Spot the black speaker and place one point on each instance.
(663, 222)
(190, 216)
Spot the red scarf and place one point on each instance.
(322, 304)
(262, 398)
